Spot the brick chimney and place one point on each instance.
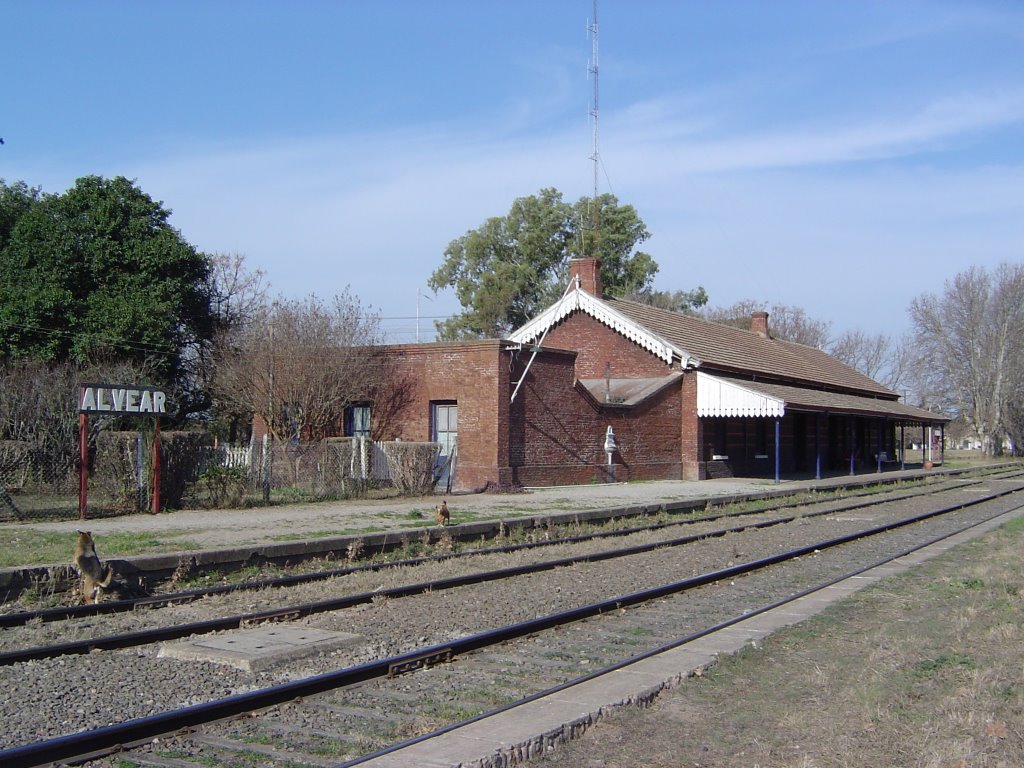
(588, 271)
(759, 324)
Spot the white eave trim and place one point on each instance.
(718, 397)
(578, 299)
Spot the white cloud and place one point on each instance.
(931, 127)
(785, 216)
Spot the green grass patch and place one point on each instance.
(931, 667)
(28, 546)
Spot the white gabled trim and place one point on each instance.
(578, 299)
(718, 397)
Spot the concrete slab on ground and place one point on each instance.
(253, 650)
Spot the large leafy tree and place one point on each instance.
(98, 273)
(510, 267)
(16, 200)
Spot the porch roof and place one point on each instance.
(723, 396)
(625, 393)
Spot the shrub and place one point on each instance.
(116, 470)
(224, 487)
(15, 460)
(345, 465)
(412, 466)
(123, 467)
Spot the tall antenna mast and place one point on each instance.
(595, 155)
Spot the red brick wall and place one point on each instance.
(470, 374)
(599, 346)
(557, 431)
(692, 432)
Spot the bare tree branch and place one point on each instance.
(299, 364)
(972, 340)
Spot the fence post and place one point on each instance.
(140, 473)
(265, 469)
(83, 458)
(156, 466)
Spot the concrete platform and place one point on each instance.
(253, 650)
(525, 731)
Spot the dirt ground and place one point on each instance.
(243, 527)
(925, 670)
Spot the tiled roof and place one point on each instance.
(724, 348)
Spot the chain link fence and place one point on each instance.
(198, 474)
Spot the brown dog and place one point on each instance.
(96, 577)
(441, 513)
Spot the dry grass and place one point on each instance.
(924, 670)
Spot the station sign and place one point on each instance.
(123, 399)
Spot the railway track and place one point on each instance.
(550, 536)
(339, 714)
(663, 536)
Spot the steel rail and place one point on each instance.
(293, 612)
(60, 613)
(112, 738)
(663, 648)
(63, 613)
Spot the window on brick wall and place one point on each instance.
(357, 420)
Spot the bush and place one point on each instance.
(15, 461)
(345, 465)
(181, 462)
(122, 469)
(115, 472)
(224, 487)
(412, 466)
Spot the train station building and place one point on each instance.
(597, 388)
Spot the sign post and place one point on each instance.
(83, 462)
(118, 400)
(156, 467)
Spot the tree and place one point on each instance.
(237, 295)
(674, 301)
(784, 322)
(299, 364)
(510, 267)
(971, 338)
(98, 273)
(887, 360)
(39, 409)
(15, 201)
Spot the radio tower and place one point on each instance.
(595, 157)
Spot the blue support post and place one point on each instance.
(850, 432)
(778, 476)
(878, 454)
(817, 446)
(903, 447)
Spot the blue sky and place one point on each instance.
(842, 157)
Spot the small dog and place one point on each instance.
(96, 577)
(441, 513)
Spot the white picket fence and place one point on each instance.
(245, 456)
